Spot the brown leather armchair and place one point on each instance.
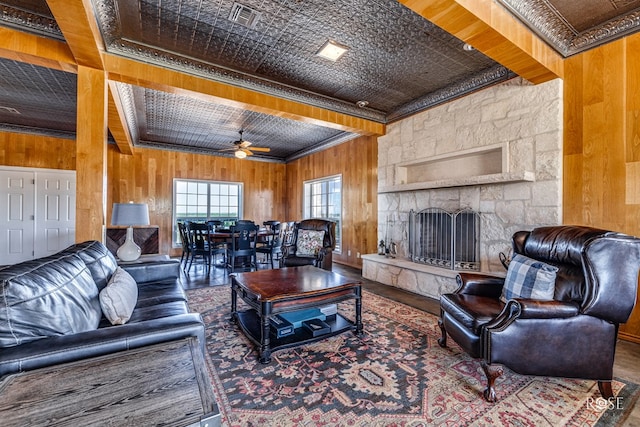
(323, 258)
(574, 335)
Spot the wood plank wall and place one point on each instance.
(357, 161)
(147, 177)
(272, 190)
(35, 151)
(602, 143)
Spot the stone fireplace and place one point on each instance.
(496, 152)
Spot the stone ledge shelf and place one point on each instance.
(482, 165)
(420, 279)
(461, 182)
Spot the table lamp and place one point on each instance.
(129, 214)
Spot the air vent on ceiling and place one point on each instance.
(10, 110)
(244, 15)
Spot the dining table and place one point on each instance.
(223, 235)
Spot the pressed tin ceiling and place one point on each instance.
(572, 26)
(396, 61)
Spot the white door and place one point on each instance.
(55, 212)
(17, 196)
(37, 213)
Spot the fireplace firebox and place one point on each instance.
(445, 239)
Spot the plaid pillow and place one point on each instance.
(528, 278)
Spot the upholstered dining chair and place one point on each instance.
(557, 311)
(313, 243)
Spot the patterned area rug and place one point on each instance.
(395, 375)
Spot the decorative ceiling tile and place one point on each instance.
(396, 61)
(391, 49)
(571, 26)
(37, 97)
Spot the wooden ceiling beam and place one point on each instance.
(490, 29)
(117, 121)
(80, 29)
(158, 78)
(35, 50)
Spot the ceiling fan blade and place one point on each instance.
(244, 144)
(262, 149)
(246, 150)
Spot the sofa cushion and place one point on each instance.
(100, 261)
(160, 292)
(119, 297)
(529, 278)
(309, 242)
(47, 297)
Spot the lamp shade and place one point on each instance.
(130, 214)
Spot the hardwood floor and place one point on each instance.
(626, 366)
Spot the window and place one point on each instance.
(323, 199)
(205, 200)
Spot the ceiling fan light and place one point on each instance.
(240, 154)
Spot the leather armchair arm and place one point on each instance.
(533, 309)
(321, 255)
(479, 284)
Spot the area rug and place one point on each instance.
(396, 374)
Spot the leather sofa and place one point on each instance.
(573, 333)
(49, 308)
(324, 257)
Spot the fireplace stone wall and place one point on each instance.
(525, 121)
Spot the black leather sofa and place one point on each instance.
(48, 308)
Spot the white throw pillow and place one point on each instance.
(119, 297)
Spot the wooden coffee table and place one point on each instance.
(162, 384)
(275, 291)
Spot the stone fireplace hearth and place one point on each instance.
(497, 152)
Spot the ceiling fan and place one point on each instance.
(241, 148)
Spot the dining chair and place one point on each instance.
(242, 247)
(199, 244)
(184, 240)
(272, 245)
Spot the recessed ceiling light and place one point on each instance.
(362, 104)
(467, 47)
(332, 50)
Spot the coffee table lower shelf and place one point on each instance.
(249, 321)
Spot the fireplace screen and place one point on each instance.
(445, 239)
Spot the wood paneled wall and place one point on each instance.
(147, 177)
(357, 161)
(602, 143)
(34, 151)
(272, 190)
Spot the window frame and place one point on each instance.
(307, 186)
(175, 235)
